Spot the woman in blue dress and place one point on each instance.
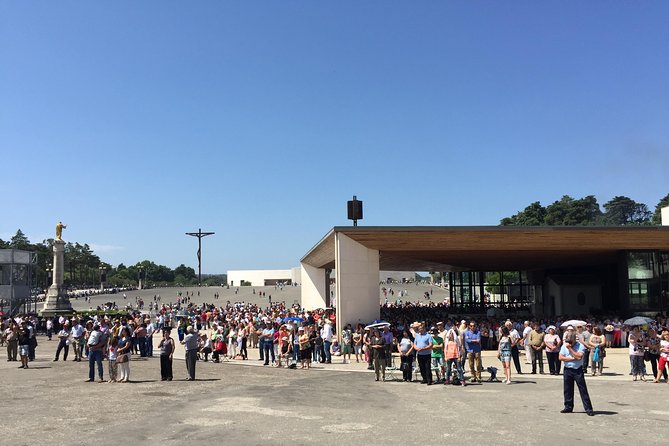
(504, 353)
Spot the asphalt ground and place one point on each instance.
(242, 402)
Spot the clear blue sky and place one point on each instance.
(135, 122)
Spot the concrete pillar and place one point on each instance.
(357, 273)
(665, 216)
(57, 301)
(313, 287)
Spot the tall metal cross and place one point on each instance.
(199, 234)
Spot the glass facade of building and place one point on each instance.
(648, 280)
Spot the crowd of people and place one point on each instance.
(427, 341)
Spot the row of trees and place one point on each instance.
(84, 268)
(568, 211)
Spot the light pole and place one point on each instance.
(48, 271)
(140, 268)
(103, 276)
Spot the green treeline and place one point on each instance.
(568, 211)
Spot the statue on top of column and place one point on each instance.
(59, 230)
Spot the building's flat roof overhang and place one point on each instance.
(491, 248)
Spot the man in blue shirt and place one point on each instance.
(571, 354)
(422, 345)
(473, 347)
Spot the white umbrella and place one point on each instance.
(637, 320)
(379, 324)
(574, 323)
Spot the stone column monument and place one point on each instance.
(57, 301)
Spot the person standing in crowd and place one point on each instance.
(326, 334)
(96, 344)
(437, 354)
(140, 337)
(571, 353)
(473, 347)
(389, 338)
(637, 347)
(63, 342)
(305, 348)
(452, 353)
(24, 344)
(653, 349)
(150, 330)
(267, 342)
(357, 344)
(423, 347)
(112, 355)
(12, 338)
(514, 336)
(49, 328)
(378, 345)
(405, 348)
(584, 334)
(537, 345)
(526, 342)
(77, 336)
(191, 344)
(552, 342)
(123, 354)
(664, 358)
(504, 353)
(597, 343)
(346, 344)
(166, 347)
(368, 353)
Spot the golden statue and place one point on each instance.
(59, 230)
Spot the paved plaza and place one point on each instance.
(242, 402)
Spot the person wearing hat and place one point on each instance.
(63, 342)
(584, 334)
(552, 342)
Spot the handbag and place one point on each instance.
(602, 352)
(646, 355)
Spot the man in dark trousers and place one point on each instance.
(191, 343)
(571, 354)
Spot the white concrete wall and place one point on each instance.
(296, 275)
(257, 277)
(665, 216)
(313, 287)
(357, 272)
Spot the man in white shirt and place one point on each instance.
(150, 330)
(326, 334)
(77, 334)
(526, 342)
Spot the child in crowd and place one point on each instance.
(111, 356)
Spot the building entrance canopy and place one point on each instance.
(357, 254)
(497, 248)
